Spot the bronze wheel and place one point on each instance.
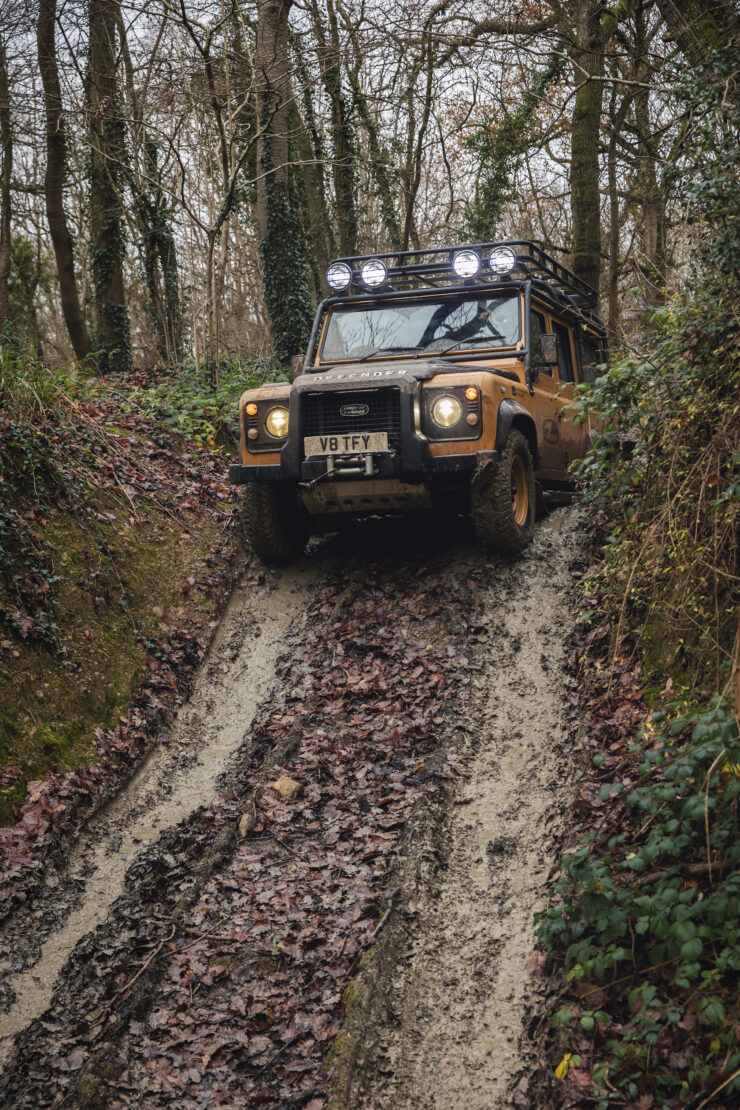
(502, 498)
(519, 491)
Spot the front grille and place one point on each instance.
(322, 415)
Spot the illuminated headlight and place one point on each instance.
(373, 273)
(466, 264)
(277, 422)
(339, 276)
(447, 412)
(502, 260)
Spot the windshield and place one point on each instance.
(458, 323)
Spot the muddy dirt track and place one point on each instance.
(318, 888)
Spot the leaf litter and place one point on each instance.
(219, 978)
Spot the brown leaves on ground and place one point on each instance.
(248, 992)
(251, 994)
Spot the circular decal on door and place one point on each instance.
(550, 432)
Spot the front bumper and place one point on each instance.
(441, 466)
(410, 460)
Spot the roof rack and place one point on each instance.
(434, 267)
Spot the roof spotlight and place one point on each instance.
(502, 260)
(373, 273)
(339, 276)
(466, 264)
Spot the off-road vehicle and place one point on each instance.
(434, 379)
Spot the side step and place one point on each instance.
(554, 498)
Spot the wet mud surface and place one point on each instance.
(213, 934)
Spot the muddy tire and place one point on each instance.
(273, 522)
(502, 499)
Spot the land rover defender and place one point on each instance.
(435, 380)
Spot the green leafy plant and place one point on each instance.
(184, 403)
(646, 918)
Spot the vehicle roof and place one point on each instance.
(432, 268)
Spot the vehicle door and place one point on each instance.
(546, 406)
(573, 436)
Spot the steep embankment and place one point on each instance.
(117, 556)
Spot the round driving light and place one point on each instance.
(466, 264)
(253, 433)
(471, 393)
(339, 276)
(473, 419)
(447, 412)
(373, 273)
(277, 422)
(251, 409)
(502, 260)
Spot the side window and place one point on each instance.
(592, 356)
(565, 358)
(537, 327)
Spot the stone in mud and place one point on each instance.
(287, 788)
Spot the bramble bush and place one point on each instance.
(647, 914)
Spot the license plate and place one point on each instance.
(353, 443)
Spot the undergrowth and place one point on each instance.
(43, 445)
(646, 917)
(183, 402)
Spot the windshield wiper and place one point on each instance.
(386, 351)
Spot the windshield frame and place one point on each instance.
(477, 291)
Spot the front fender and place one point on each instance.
(513, 415)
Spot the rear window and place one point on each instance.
(565, 357)
(593, 355)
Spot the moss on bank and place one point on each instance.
(124, 543)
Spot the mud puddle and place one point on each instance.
(452, 990)
(181, 774)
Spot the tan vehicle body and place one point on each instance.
(560, 440)
(361, 432)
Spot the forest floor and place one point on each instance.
(337, 847)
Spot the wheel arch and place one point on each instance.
(513, 415)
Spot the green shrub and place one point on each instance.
(183, 402)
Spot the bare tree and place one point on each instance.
(283, 262)
(106, 136)
(56, 158)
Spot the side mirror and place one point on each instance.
(296, 365)
(549, 349)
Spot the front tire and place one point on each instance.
(502, 499)
(273, 522)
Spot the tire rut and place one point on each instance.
(178, 775)
(206, 872)
(450, 994)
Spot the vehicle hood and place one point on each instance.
(376, 372)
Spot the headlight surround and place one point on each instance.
(276, 422)
(466, 264)
(373, 273)
(502, 261)
(447, 411)
(339, 276)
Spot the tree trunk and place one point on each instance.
(107, 151)
(697, 26)
(345, 154)
(6, 150)
(152, 217)
(56, 158)
(283, 264)
(585, 197)
(651, 197)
